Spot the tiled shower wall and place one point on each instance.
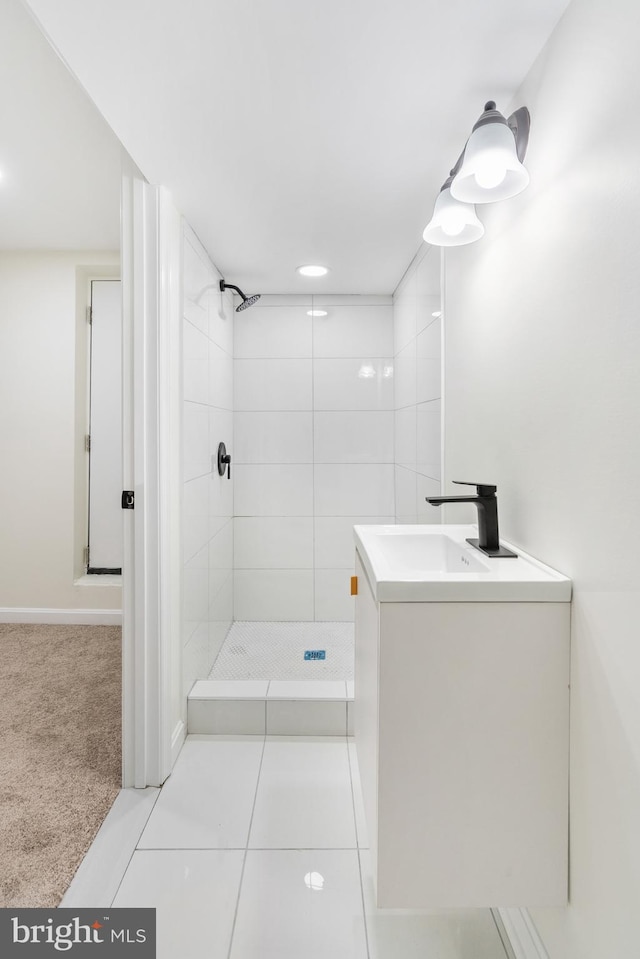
(417, 320)
(208, 497)
(313, 450)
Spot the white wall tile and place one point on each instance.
(274, 437)
(405, 489)
(274, 490)
(428, 446)
(196, 314)
(195, 441)
(225, 717)
(270, 594)
(428, 298)
(197, 269)
(334, 543)
(333, 599)
(218, 629)
(195, 591)
(404, 312)
(340, 384)
(405, 435)
(405, 376)
(426, 486)
(353, 331)
(344, 490)
(221, 314)
(220, 378)
(195, 516)
(353, 437)
(195, 345)
(267, 331)
(428, 363)
(327, 301)
(221, 548)
(299, 718)
(195, 654)
(273, 542)
(272, 384)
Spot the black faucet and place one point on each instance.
(485, 499)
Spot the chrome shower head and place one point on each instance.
(247, 301)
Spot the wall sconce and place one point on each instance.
(453, 223)
(488, 169)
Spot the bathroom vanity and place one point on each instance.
(461, 720)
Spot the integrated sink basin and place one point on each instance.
(414, 554)
(436, 564)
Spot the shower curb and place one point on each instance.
(271, 707)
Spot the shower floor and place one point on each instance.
(276, 651)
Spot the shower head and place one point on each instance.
(247, 301)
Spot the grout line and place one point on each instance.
(246, 848)
(355, 826)
(135, 848)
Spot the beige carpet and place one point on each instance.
(60, 727)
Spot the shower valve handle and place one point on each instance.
(224, 461)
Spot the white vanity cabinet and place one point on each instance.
(462, 735)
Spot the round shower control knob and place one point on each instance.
(224, 460)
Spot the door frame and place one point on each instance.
(153, 711)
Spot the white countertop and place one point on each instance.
(435, 564)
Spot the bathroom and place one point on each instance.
(539, 395)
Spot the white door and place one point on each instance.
(105, 428)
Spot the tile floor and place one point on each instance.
(275, 650)
(256, 848)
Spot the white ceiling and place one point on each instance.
(296, 131)
(60, 164)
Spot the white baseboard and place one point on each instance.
(72, 617)
(523, 935)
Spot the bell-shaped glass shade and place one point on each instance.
(453, 223)
(490, 168)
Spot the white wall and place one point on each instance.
(208, 498)
(543, 396)
(417, 388)
(313, 448)
(38, 406)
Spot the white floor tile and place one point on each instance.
(98, 877)
(302, 903)
(358, 802)
(444, 934)
(304, 797)
(206, 803)
(195, 894)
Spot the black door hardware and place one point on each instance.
(128, 499)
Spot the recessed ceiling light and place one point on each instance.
(317, 313)
(312, 270)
